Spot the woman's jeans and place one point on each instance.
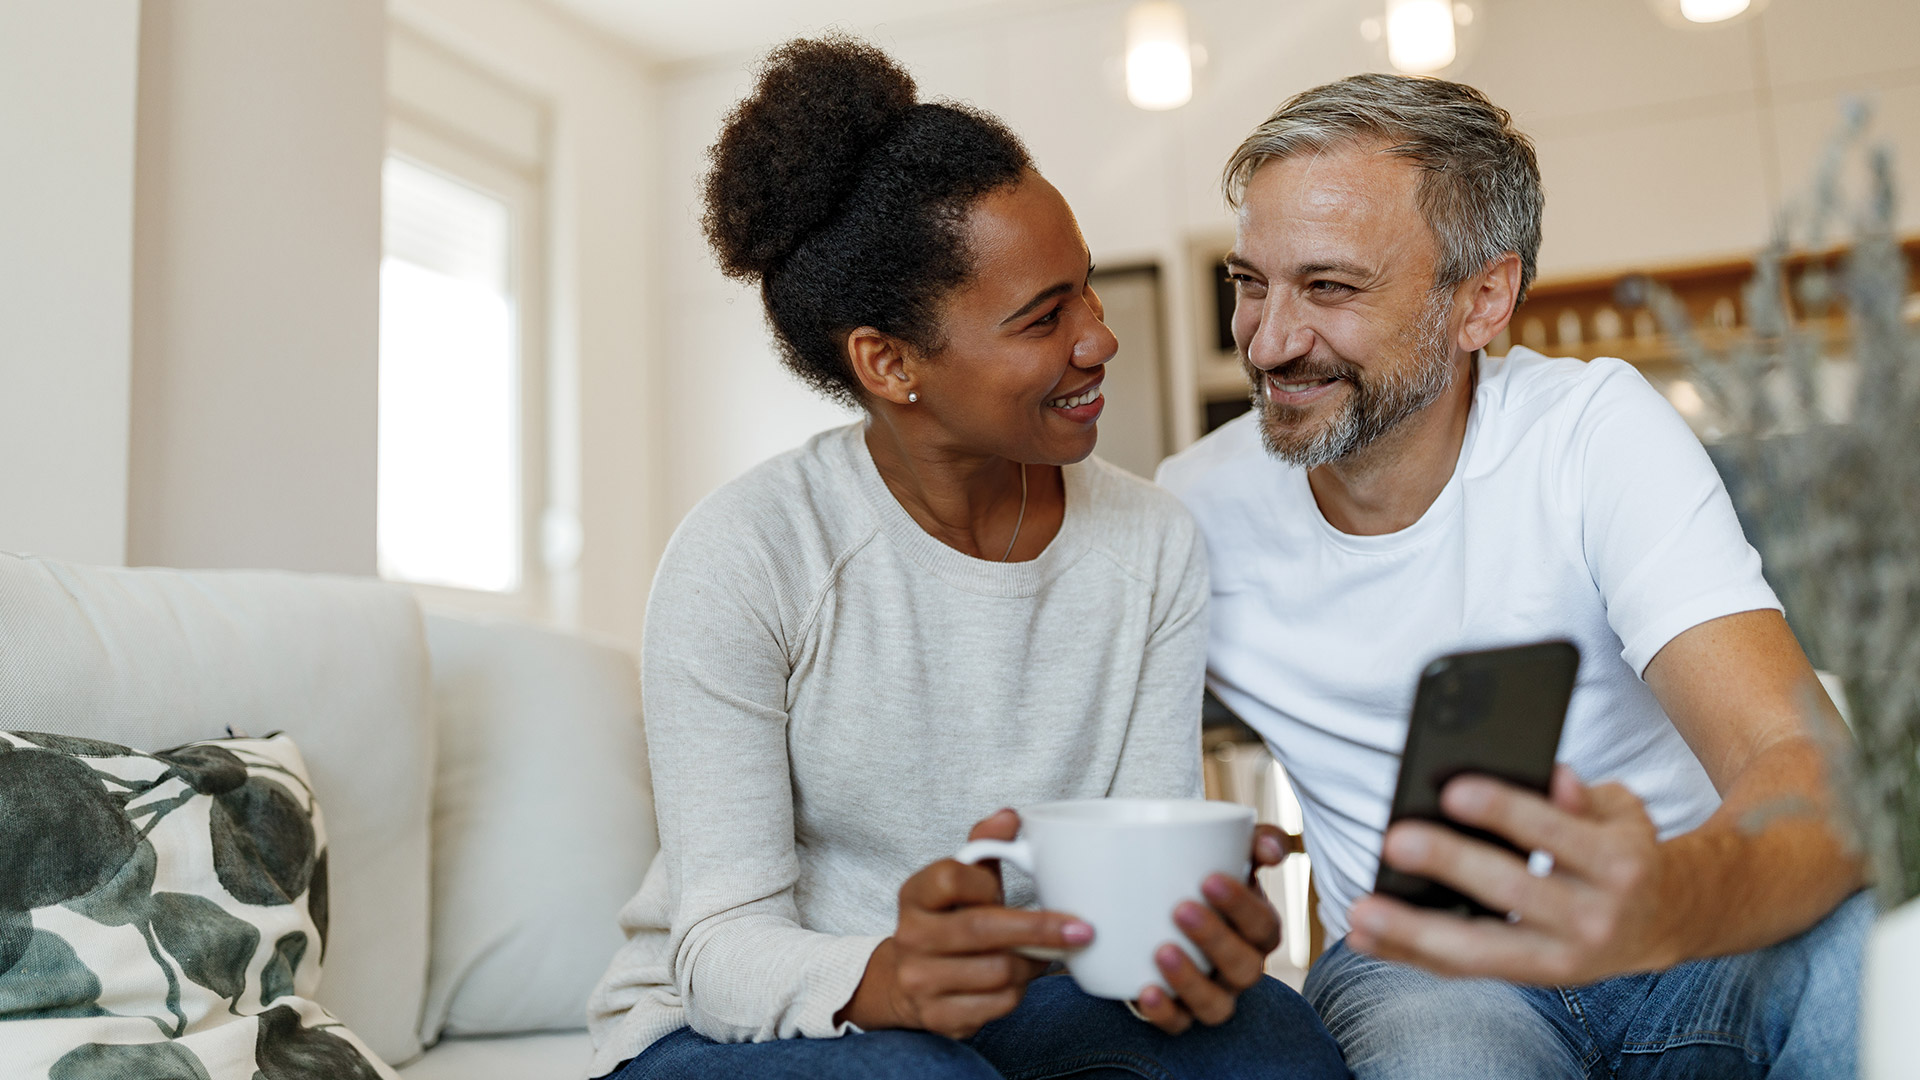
(1789, 1012)
(1057, 1031)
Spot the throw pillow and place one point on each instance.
(164, 915)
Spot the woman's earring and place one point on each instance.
(912, 397)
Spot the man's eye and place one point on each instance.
(1330, 287)
(1050, 317)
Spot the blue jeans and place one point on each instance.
(1790, 1012)
(1056, 1032)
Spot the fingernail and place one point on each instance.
(1167, 956)
(1371, 920)
(1189, 915)
(1409, 844)
(1217, 889)
(1152, 997)
(1269, 849)
(1467, 796)
(1077, 933)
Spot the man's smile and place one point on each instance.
(1297, 394)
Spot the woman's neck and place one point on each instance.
(970, 502)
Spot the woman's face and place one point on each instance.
(1025, 344)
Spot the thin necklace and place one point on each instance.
(1023, 513)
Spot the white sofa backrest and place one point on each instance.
(543, 823)
(155, 658)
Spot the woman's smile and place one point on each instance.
(1083, 406)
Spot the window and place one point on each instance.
(449, 509)
(462, 452)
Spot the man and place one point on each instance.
(1397, 494)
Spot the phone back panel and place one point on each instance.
(1497, 713)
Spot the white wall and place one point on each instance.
(256, 300)
(602, 189)
(67, 93)
(1657, 145)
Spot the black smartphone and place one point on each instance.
(1497, 713)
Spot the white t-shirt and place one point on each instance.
(1582, 508)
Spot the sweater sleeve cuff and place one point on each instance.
(833, 974)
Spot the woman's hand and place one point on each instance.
(1236, 933)
(950, 967)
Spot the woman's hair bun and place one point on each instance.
(789, 154)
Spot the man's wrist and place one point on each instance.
(1691, 916)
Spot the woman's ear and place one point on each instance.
(880, 362)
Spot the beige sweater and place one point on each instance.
(833, 698)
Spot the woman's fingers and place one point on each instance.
(1159, 1009)
(1270, 845)
(948, 884)
(983, 974)
(959, 1015)
(999, 825)
(995, 929)
(1208, 1001)
(1247, 909)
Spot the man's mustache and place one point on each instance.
(1304, 369)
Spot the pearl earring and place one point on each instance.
(912, 397)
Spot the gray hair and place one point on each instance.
(1480, 184)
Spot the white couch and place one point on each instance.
(484, 783)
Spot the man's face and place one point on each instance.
(1336, 319)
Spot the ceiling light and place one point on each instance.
(1159, 56)
(1420, 37)
(1705, 14)
(1712, 11)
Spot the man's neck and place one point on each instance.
(1388, 486)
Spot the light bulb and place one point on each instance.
(1712, 11)
(1159, 57)
(1420, 35)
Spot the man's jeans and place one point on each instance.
(1789, 1012)
(1056, 1032)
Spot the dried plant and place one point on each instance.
(1819, 406)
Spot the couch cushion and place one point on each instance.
(156, 658)
(543, 823)
(557, 1056)
(165, 914)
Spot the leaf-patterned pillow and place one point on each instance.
(164, 915)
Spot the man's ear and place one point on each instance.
(879, 361)
(1490, 297)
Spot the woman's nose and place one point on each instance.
(1096, 346)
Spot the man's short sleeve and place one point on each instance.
(1657, 527)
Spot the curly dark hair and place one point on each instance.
(846, 200)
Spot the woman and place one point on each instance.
(860, 648)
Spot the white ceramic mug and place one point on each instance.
(1123, 865)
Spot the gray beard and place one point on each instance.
(1374, 407)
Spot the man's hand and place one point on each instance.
(950, 967)
(1602, 911)
(1236, 932)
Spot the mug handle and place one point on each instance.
(1017, 852)
(1020, 854)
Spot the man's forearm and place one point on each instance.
(1771, 862)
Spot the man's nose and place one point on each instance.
(1280, 337)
